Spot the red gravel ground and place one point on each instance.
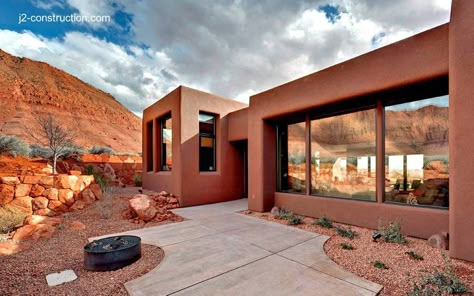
(403, 270)
(25, 273)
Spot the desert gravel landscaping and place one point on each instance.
(402, 270)
(24, 273)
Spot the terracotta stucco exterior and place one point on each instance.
(185, 180)
(438, 59)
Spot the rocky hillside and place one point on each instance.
(29, 89)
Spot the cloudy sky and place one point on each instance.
(231, 48)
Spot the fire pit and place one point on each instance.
(112, 253)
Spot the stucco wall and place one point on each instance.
(414, 60)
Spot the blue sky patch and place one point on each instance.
(332, 12)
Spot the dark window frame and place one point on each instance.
(149, 146)
(162, 122)
(378, 101)
(211, 135)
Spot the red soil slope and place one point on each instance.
(29, 89)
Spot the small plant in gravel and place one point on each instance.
(9, 218)
(414, 255)
(439, 282)
(60, 227)
(294, 219)
(380, 265)
(346, 232)
(283, 214)
(137, 180)
(346, 246)
(323, 222)
(392, 233)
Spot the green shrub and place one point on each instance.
(101, 150)
(90, 169)
(283, 214)
(347, 246)
(414, 255)
(73, 151)
(323, 222)
(380, 265)
(294, 219)
(11, 145)
(137, 180)
(439, 282)
(392, 233)
(346, 232)
(296, 159)
(38, 151)
(125, 154)
(9, 217)
(102, 181)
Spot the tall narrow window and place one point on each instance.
(166, 143)
(416, 152)
(207, 142)
(292, 162)
(149, 146)
(343, 156)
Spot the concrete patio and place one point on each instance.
(221, 252)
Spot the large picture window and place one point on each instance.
(292, 164)
(343, 156)
(207, 142)
(166, 143)
(416, 152)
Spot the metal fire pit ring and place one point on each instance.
(112, 253)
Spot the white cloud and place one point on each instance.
(134, 79)
(233, 49)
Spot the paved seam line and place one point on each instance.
(210, 278)
(328, 273)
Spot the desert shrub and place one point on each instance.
(346, 232)
(414, 255)
(9, 217)
(347, 246)
(101, 179)
(283, 214)
(392, 233)
(39, 151)
(89, 169)
(294, 219)
(100, 150)
(380, 265)
(13, 146)
(439, 282)
(73, 151)
(323, 222)
(137, 180)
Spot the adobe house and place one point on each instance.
(385, 136)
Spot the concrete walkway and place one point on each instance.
(220, 252)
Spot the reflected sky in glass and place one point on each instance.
(442, 101)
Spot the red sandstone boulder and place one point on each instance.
(10, 248)
(36, 190)
(22, 190)
(36, 219)
(66, 196)
(77, 225)
(46, 181)
(7, 192)
(51, 194)
(57, 206)
(9, 180)
(67, 182)
(40, 202)
(87, 180)
(34, 232)
(438, 241)
(87, 196)
(78, 205)
(75, 172)
(23, 204)
(31, 179)
(95, 188)
(143, 206)
(164, 193)
(44, 212)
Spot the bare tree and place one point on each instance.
(51, 133)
